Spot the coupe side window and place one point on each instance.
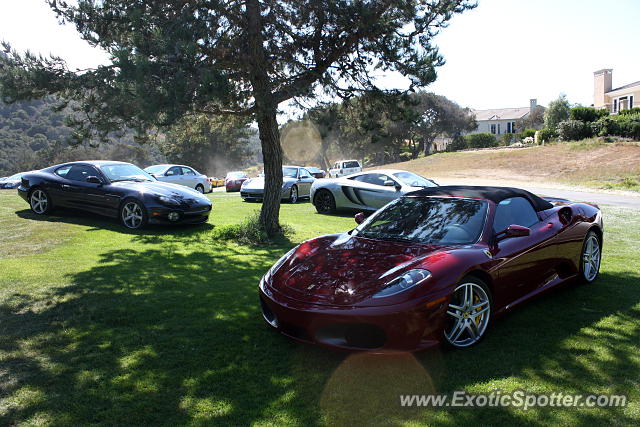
(304, 173)
(351, 164)
(188, 171)
(516, 210)
(80, 173)
(63, 171)
(174, 171)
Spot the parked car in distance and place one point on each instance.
(11, 182)
(233, 181)
(181, 175)
(434, 266)
(365, 190)
(114, 189)
(216, 182)
(317, 173)
(344, 167)
(296, 185)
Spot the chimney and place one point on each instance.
(533, 103)
(602, 80)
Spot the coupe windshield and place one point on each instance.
(413, 180)
(125, 172)
(428, 220)
(290, 172)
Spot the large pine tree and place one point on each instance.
(172, 58)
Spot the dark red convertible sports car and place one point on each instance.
(437, 265)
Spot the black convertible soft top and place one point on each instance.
(495, 194)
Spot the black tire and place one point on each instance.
(586, 267)
(460, 332)
(324, 202)
(294, 196)
(40, 202)
(200, 188)
(141, 219)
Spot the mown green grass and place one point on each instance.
(100, 325)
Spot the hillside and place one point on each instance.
(33, 135)
(588, 163)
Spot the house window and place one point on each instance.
(631, 102)
(498, 128)
(615, 105)
(493, 128)
(511, 127)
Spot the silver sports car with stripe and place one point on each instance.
(366, 191)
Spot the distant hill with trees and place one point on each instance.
(34, 134)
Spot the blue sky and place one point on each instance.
(498, 55)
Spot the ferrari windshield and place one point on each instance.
(125, 172)
(413, 180)
(428, 220)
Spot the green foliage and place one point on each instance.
(629, 111)
(481, 140)
(458, 143)
(211, 144)
(547, 135)
(527, 132)
(623, 125)
(573, 130)
(508, 138)
(587, 114)
(556, 112)
(33, 135)
(249, 232)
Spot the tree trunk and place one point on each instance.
(428, 142)
(266, 109)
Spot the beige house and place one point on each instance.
(614, 100)
(499, 121)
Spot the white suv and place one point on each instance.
(345, 167)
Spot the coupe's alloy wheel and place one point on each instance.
(324, 202)
(132, 216)
(294, 194)
(467, 315)
(200, 188)
(591, 258)
(39, 202)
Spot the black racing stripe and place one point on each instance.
(349, 196)
(356, 192)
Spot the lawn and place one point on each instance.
(101, 325)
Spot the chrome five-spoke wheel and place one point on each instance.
(39, 201)
(468, 314)
(294, 194)
(132, 215)
(591, 257)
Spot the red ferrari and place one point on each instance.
(437, 265)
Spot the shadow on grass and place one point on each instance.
(98, 222)
(164, 337)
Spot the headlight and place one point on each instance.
(167, 200)
(278, 264)
(407, 281)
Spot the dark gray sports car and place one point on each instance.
(114, 189)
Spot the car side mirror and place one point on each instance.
(168, 173)
(93, 180)
(513, 230)
(389, 183)
(359, 218)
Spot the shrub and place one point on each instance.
(556, 112)
(481, 140)
(547, 135)
(249, 232)
(458, 143)
(587, 114)
(631, 111)
(508, 138)
(405, 157)
(527, 132)
(573, 130)
(624, 125)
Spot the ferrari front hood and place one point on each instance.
(342, 270)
